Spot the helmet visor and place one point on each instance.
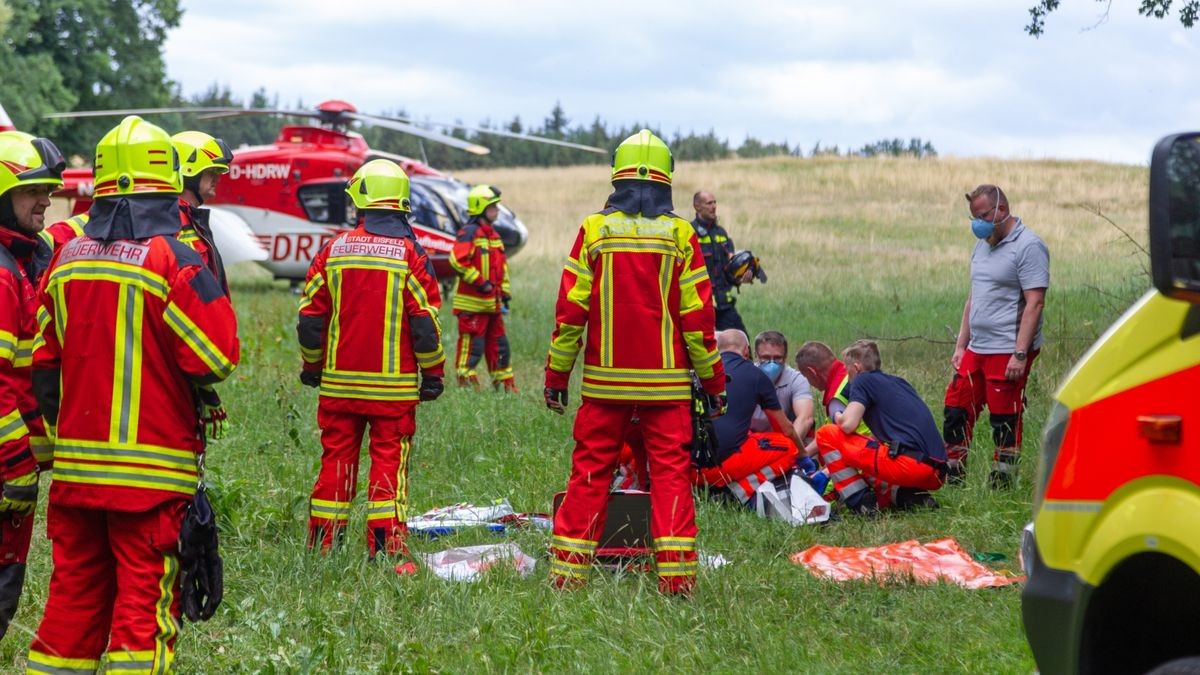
(52, 161)
(226, 154)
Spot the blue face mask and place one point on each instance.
(772, 369)
(982, 228)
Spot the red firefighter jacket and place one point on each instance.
(22, 436)
(54, 236)
(197, 234)
(366, 321)
(640, 287)
(64, 230)
(131, 321)
(478, 256)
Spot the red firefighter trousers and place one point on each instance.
(114, 588)
(850, 458)
(980, 380)
(483, 336)
(390, 442)
(600, 430)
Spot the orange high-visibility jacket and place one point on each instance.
(366, 322)
(478, 256)
(22, 436)
(128, 328)
(640, 287)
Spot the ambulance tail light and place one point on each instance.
(1052, 438)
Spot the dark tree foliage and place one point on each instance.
(1188, 12)
(84, 55)
(896, 147)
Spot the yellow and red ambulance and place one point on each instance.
(1113, 552)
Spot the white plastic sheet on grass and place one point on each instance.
(468, 563)
(447, 519)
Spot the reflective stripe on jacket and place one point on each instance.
(129, 327)
(22, 435)
(366, 321)
(640, 288)
(478, 256)
(717, 248)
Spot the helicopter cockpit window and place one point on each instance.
(327, 203)
(429, 210)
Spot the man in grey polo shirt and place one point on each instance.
(1000, 336)
(791, 388)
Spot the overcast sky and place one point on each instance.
(961, 74)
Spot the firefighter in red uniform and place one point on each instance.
(202, 160)
(366, 329)
(30, 169)
(131, 321)
(483, 288)
(635, 279)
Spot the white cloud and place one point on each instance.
(847, 72)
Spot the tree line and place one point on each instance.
(107, 54)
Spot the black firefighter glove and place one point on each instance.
(504, 299)
(431, 387)
(717, 404)
(556, 399)
(310, 378)
(213, 418)
(486, 287)
(201, 570)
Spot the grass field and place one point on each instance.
(854, 248)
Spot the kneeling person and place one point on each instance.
(906, 458)
(744, 460)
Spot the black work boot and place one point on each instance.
(956, 473)
(1004, 469)
(913, 498)
(864, 504)
(1000, 480)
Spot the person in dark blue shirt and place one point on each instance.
(904, 461)
(745, 459)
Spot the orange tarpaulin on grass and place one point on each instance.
(923, 563)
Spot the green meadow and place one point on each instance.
(853, 248)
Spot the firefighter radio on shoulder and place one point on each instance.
(742, 262)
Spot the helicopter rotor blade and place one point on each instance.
(510, 134)
(133, 111)
(204, 112)
(428, 135)
(245, 112)
(526, 137)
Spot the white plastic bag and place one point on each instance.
(448, 519)
(798, 505)
(470, 562)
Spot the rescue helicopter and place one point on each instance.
(281, 203)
